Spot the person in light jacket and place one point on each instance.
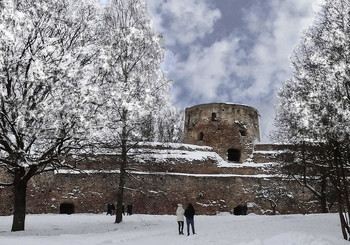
(180, 211)
(189, 214)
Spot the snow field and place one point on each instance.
(99, 229)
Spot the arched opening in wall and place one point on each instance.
(243, 132)
(200, 136)
(213, 117)
(233, 155)
(66, 208)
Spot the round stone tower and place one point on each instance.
(231, 129)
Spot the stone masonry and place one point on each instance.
(231, 129)
(220, 167)
(167, 175)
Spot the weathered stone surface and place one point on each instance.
(223, 127)
(163, 175)
(157, 187)
(156, 193)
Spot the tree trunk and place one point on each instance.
(340, 192)
(323, 197)
(122, 175)
(19, 214)
(341, 217)
(120, 194)
(345, 193)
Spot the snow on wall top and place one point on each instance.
(175, 145)
(70, 171)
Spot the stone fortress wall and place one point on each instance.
(166, 174)
(211, 188)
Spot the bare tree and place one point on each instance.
(170, 125)
(307, 164)
(42, 60)
(314, 104)
(274, 194)
(131, 86)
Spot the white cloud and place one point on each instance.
(276, 38)
(266, 65)
(183, 21)
(247, 66)
(208, 69)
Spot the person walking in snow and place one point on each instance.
(244, 209)
(180, 211)
(109, 209)
(189, 214)
(112, 209)
(123, 209)
(129, 209)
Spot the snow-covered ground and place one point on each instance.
(99, 229)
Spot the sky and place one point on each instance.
(233, 51)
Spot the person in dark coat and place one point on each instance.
(109, 209)
(189, 214)
(129, 209)
(112, 209)
(123, 209)
(244, 209)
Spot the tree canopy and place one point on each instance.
(73, 73)
(314, 108)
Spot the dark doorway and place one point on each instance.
(67, 208)
(233, 155)
(200, 136)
